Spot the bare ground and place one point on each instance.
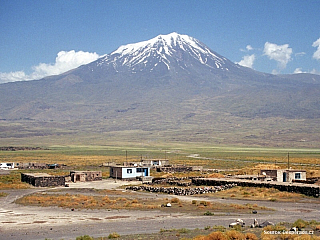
(27, 222)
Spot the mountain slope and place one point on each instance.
(172, 84)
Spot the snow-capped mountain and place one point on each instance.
(166, 52)
(167, 61)
(172, 86)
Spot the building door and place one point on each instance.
(145, 171)
(284, 176)
(77, 178)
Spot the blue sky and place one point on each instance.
(44, 37)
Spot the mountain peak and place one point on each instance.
(173, 38)
(170, 39)
(171, 50)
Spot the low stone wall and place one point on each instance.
(181, 182)
(306, 189)
(180, 191)
(174, 168)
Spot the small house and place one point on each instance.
(32, 165)
(129, 172)
(285, 175)
(85, 176)
(154, 162)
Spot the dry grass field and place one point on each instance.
(112, 199)
(219, 157)
(232, 160)
(12, 181)
(269, 194)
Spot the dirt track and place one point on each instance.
(21, 222)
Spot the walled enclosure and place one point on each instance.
(42, 179)
(306, 189)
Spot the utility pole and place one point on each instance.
(288, 162)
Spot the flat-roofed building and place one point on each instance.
(43, 179)
(85, 176)
(154, 162)
(285, 175)
(129, 172)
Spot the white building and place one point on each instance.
(129, 172)
(154, 162)
(6, 166)
(285, 175)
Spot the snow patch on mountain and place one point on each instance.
(168, 49)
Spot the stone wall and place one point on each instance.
(180, 190)
(43, 180)
(84, 176)
(306, 189)
(94, 176)
(180, 168)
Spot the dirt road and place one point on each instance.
(25, 222)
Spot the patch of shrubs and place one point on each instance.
(208, 213)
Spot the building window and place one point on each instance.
(139, 170)
(297, 176)
(129, 170)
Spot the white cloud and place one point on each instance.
(65, 61)
(13, 77)
(247, 61)
(316, 54)
(249, 48)
(279, 53)
(299, 70)
(300, 54)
